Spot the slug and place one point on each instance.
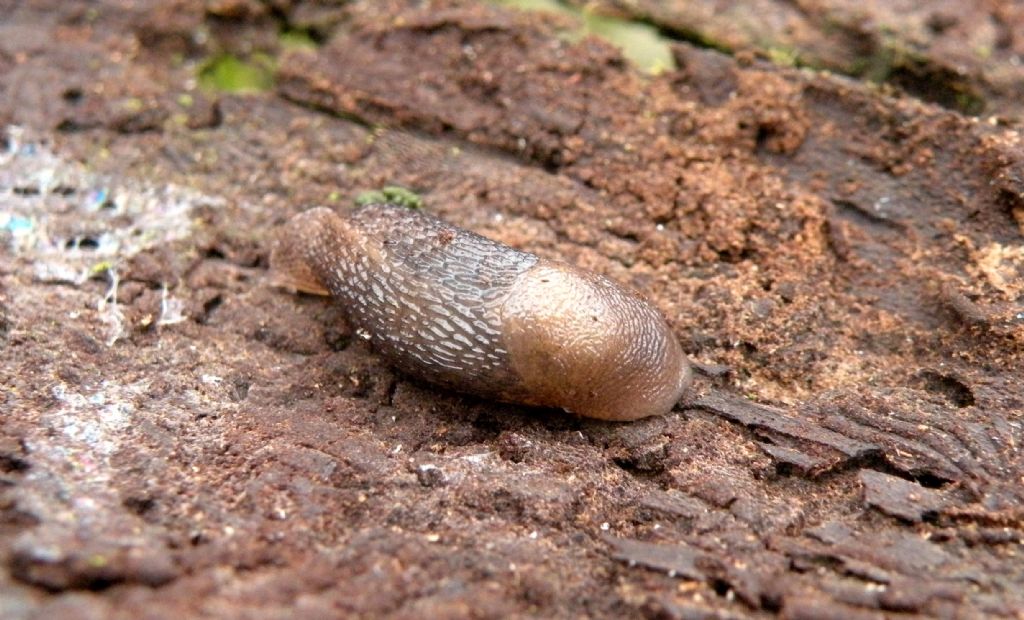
(461, 311)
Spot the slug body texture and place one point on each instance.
(461, 311)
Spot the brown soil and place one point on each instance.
(844, 263)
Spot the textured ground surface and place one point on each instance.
(846, 263)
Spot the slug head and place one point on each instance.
(581, 342)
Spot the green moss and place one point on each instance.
(228, 73)
(97, 561)
(551, 6)
(784, 56)
(391, 194)
(640, 43)
(370, 197)
(970, 103)
(132, 104)
(296, 39)
(101, 267)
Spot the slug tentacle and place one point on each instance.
(460, 310)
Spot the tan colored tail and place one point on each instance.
(289, 267)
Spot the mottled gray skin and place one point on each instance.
(459, 310)
(424, 292)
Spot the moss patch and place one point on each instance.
(228, 73)
(641, 44)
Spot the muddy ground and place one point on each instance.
(844, 260)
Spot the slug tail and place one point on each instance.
(289, 266)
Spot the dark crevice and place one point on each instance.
(209, 307)
(285, 25)
(390, 394)
(870, 459)
(937, 84)
(72, 95)
(680, 34)
(876, 460)
(214, 253)
(734, 256)
(720, 586)
(100, 584)
(1012, 203)
(788, 470)
(323, 106)
(927, 480)
(5, 324)
(338, 338)
(830, 563)
(139, 505)
(645, 462)
(954, 390)
(880, 463)
(626, 236)
(69, 125)
(81, 243)
(938, 24)
(12, 464)
(771, 602)
(14, 518)
(490, 424)
(764, 133)
(851, 211)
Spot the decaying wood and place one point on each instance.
(843, 264)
